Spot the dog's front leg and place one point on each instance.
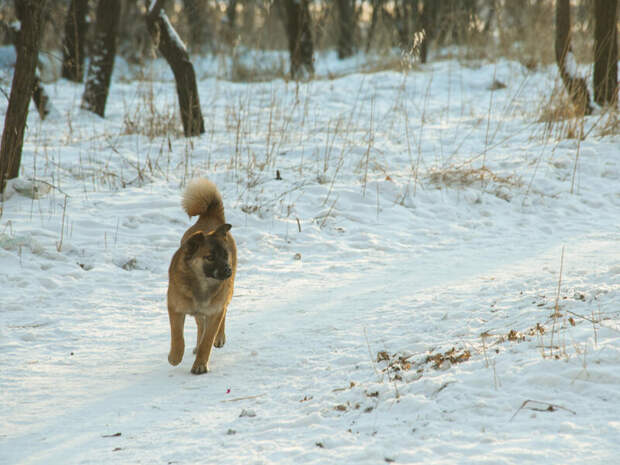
(220, 338)
(201, 322)
(177, 343)
(206, 342)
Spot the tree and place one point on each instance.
(346, 31)
(174, 51)
(196, 14)
(30, 13)
(298, 27)
(231, 14)
(403, 13)
(73, 46)
(605, 52)
(39, 95)
(102, 58)
(428, 20)
(575, 85)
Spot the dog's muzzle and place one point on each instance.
(223, 273)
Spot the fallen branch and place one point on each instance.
(243, 398)
(548, 408)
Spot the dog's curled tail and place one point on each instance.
(201, 197)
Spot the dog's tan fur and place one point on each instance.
(190, 290)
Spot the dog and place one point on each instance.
(201, 275)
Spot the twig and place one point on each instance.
(549, 408)
(593, 321)
(372, 360)
(579, 139)
(51, 185)
(62, 226)
(236, 399)
(329, 212)
(556, 308)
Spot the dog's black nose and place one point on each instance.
(227, 271)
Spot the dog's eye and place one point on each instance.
(209, 257)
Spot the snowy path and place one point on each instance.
(283, 349)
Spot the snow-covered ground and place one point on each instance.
(434, 279)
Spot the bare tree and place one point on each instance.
(30, 13)
(298, 26)
(174, 51)
(73, 46)
(605, 52)
(196, 14)
(575, 85)
(428, 21)
(102, 57)
(39, 95)
(346, 31)
(403, 13)
(231, 14)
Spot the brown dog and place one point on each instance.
(201, 275)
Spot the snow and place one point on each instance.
(172, 33)
(416, 213)
(571, 65)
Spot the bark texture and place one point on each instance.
(73, 46)
(39, 95)
(102, 57)
(174, 51)
(428, 21)
(196, 14)
(605, 52)
(299, 32)
(575, 85)
(30, 12)
(346, 29)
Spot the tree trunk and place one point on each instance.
(575, 85)
(231, 14)
(73, 47)
(605, 52)
(298, 30)
(175, 53)
(346, 31)
(376, 4)
(402, 15)
(39, 95)
(196, 14)
(102, 58)
(30, 12)
(428, 21)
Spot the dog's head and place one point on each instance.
(208, 253)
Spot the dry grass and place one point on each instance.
(241, 71)
(561, 118)
(461, 177)
(611, 125)
(150, 119)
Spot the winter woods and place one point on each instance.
(86, 37)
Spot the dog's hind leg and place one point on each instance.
(177, 343)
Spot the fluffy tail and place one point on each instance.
(202, 198)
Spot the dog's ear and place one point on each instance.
(222, 230)
(191, 245)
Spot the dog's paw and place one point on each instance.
(220, 340)
(174, 358)
(199, 368)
